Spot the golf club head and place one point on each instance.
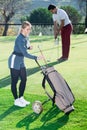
(56, 41)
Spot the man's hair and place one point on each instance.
(51, 6)
(25, 24)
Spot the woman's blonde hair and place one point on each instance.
(25, 24)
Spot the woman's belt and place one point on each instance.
(17, 53)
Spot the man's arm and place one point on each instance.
(61, 25)
(57, 28)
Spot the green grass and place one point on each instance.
(74, 71)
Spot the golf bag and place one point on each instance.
(63, 96)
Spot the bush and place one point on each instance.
(73, 14)
(75, 18)
(78, 29)
(39, 16)
(44, 29)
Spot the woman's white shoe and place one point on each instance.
(18, 103)
(24, 101)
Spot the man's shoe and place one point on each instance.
(18, 103)
(62, 59)
(24, 101)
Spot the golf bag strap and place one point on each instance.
(43, 85)
(44, 81)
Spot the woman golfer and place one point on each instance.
(17, 66)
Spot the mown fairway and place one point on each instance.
(74, 72)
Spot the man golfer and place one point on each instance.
(62, 24)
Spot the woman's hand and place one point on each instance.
(40, 57)
(30, 47)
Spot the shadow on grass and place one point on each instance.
(27, 121)
(8, 111)
(49, 120)
(52, 121)
(55, 124)
(7, 80)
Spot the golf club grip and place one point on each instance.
(42, 55)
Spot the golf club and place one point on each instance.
(42, 55)
(56, 42)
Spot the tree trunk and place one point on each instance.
(5, 30)
(86, 22)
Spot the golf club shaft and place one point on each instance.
(42, 55)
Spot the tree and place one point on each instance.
(73, 14)
(39, 16)
(86, 16)
(8, 9)
(75, 18)
(83, 5)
